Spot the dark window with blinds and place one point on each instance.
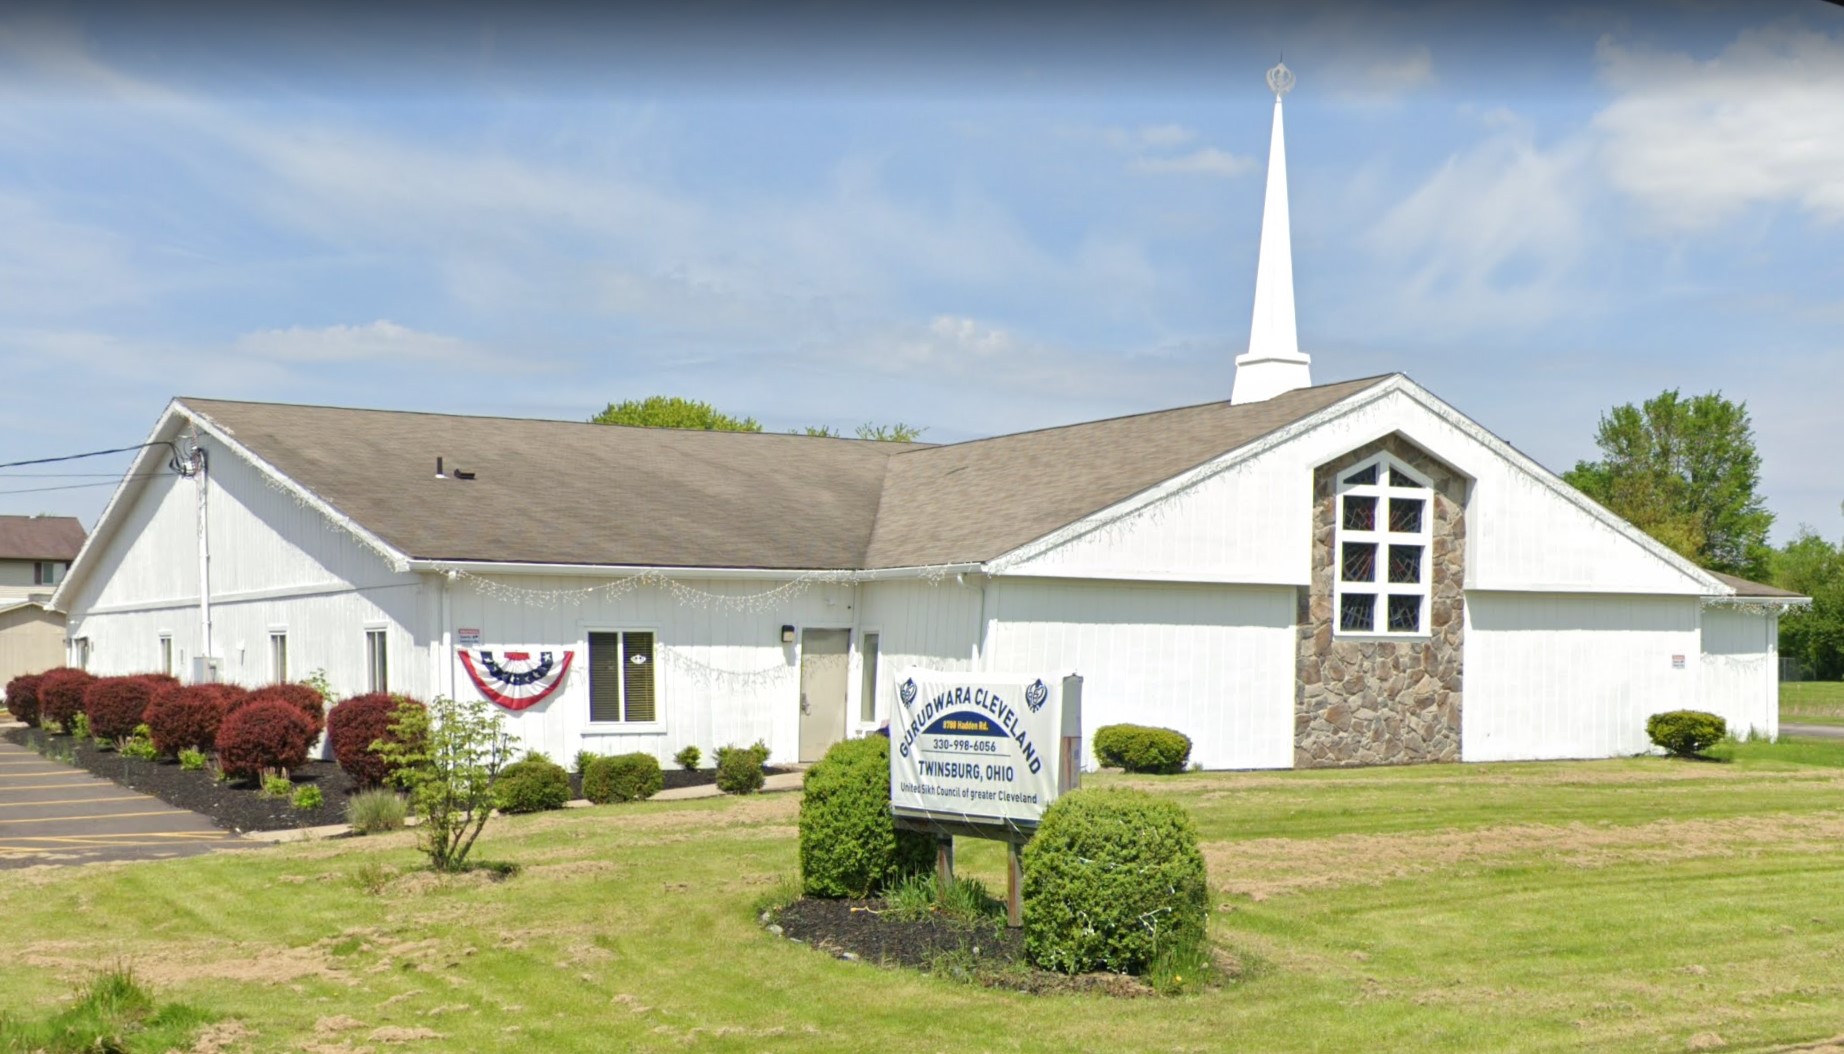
(621, 684)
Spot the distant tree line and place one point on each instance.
(671, 411)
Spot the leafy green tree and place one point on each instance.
(1686, 472)
(670, 411)
(447, 756)
(1814, 635)
(896, 433)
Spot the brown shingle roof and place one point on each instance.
(1743, 587)
(567, 493)
(40, 537)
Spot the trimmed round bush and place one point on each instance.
(354, 725)
(624, 777)
(535, 784)
(263, 736)
(187, 716)
(22, 698)
(299, 696)
(1111, 878)
(1138, 748)
(849, 847)
(117, 705)
(60, 695)
(1686, 733)
(739, 769)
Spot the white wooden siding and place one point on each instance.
(721, 677)
(1251, 522)
(1213, 662)
(935, 625)
(1741, 670)
(1552, 676)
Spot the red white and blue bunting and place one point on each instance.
(516, 680)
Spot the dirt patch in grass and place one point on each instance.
(990, 955)
(204, 960)
(1269, 867)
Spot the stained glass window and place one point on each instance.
(1405, 563)
(1360, 513)
(1404, 514)
(1366, 476)
(1360, 562)
(1405, 614)
(1357, 612)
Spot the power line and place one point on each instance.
(79, 486)
(93, 453)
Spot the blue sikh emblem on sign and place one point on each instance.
(1036, 696)
(908, 693)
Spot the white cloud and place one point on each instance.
(1208, 161)
(1132, 140)
(1694, 142)
(376, 342)
(1400, 73)
(1491, 239)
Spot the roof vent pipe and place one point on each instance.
(438, 469)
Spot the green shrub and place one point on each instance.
(688, 758)
(532, 785)
(1686, 733)
(278, 787)
(139, 744)
(1138, 748)
(308, 797)
(78, 725)
(921, 896)
(848, 845)
(584, 758)
(1112, 878)
(191, 760)
(376, 811)
(624, 777)
(739, 769)
(448, 755)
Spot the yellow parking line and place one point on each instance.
(51, 787)
(68, 801)
(115, 839)
(57, 770)
(109, 816)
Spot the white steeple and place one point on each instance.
(1274, 362)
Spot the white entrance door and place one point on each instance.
(822, 690)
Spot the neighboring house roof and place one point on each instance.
(1745, 588)
(40, 537)
(552, 492)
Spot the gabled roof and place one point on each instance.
(40, 537)
(1744, 588)
(553, 492)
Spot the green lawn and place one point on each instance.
(1625, 905)
(1812, 702)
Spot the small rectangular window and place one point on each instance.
(47, 573)
(1405, 614)
(1405, 563)
(1360, 513)
(166, 654)
(81, 648)
(1357, 612)
(278, 657)
(1360, 562)
(1405, 515)
(377, 661)
(867, 691)
(621, 680)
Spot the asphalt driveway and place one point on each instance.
(51, 813)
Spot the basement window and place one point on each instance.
(1383, 518)
(621, 678)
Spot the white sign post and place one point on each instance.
(983, 755)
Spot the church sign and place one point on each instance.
(982, 750)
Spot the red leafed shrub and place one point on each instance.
(263, 735)
(355, 725)
(22, 698)
(116, 705)
(299, 696)
(60, 694)
(188, 716)
(161, 680)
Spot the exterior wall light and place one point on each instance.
(787, 634)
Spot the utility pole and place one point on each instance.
(197, 465)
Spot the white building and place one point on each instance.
(1305, 575)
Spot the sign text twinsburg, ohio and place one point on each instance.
(982, 749)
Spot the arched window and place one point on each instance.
(1380, 561)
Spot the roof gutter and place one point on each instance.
(487, 567)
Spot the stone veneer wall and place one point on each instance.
(1382, 702)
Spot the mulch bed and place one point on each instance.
(236, 805)
(677, 777)
(987, 954)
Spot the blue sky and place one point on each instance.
(970, 220)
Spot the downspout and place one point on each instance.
(201, 473)
(447, 681)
